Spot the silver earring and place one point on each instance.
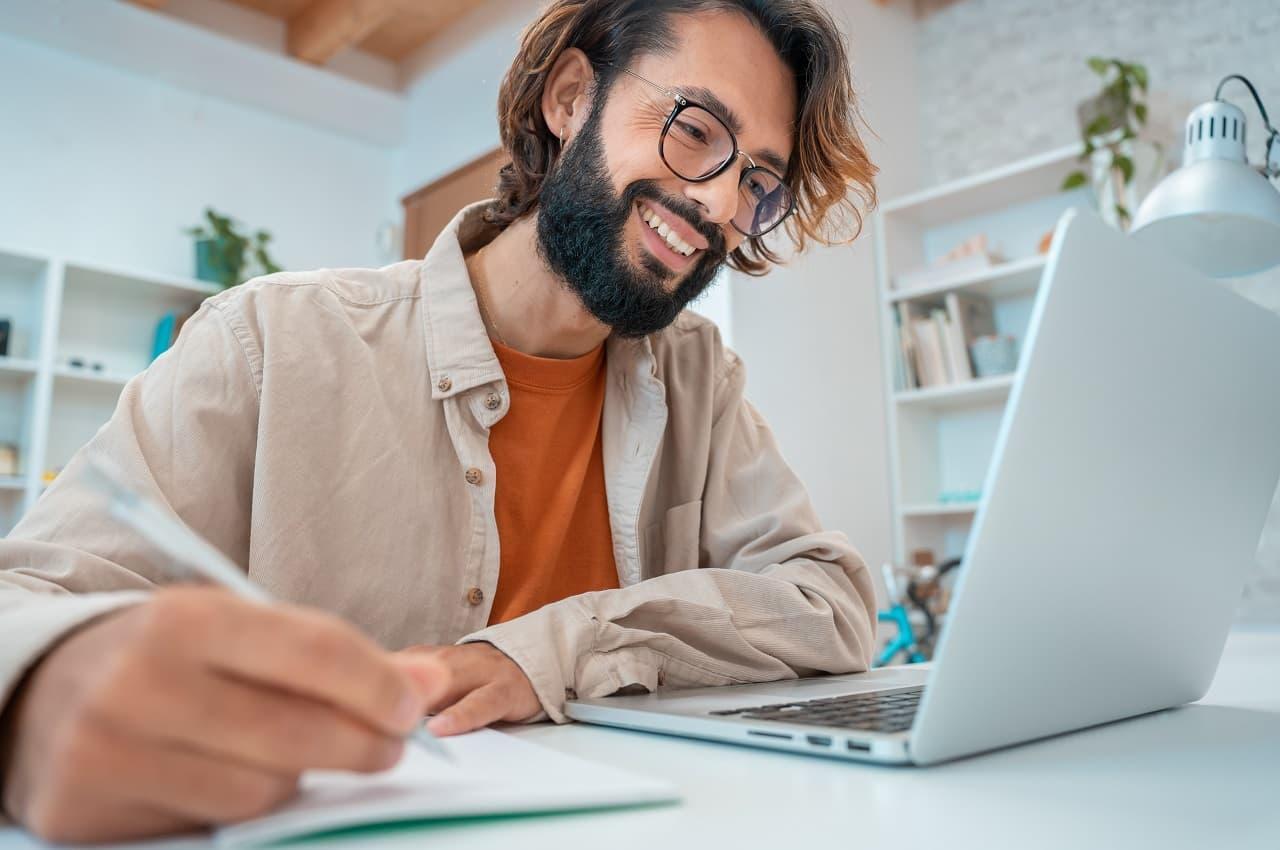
(562, 137)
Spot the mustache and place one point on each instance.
(682, 207)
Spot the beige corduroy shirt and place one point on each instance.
(328, 430)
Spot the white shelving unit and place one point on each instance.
(941, 438)
(62, 309)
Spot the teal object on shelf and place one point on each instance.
(994, 355)
(164, 335)
(207, 268)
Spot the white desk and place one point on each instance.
(1204, 776)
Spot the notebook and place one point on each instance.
(494, 773)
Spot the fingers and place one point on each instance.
(433, 677)
(310, 653)
(462, 670)
(474, 711)
(195, 788)
(268, 729)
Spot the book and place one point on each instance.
(958, 364)
(909, 351)
(933, 369)
(164, 335)
(972, 316)
(945, 334)
(494, 774)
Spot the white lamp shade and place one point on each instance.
(1219, 216)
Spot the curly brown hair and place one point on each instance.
(830, 171)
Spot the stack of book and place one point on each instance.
(934, 338)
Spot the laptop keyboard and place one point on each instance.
(891, 711)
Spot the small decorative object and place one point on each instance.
(1109, 125)
(6, 326)
(971, 255)
(1045, 241)
(994, 355)
(224, 253)
(1218, 213)
(959, 497)
(8, 459)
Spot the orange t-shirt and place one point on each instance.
(553, 515)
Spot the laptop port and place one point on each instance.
(860, 746)
(783, 735)
(818, 740)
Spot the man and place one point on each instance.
(486, 481)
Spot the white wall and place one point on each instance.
(809, 332)
(108, 165)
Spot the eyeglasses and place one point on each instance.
(697, 146)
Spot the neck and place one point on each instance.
(529, 308)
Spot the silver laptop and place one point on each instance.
(1132, 475)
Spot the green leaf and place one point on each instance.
(1098, 126)
(1125, 165)
(1098, 64)
(1074, 180)
(1139, 74)
(1140, 112)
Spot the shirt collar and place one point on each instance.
(460, 356)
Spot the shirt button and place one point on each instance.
(493, 401)
(473, 476)
(475, 596)
(444, 385)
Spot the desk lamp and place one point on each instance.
(1217, 213)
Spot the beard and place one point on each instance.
(581, 227)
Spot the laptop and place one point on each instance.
(1132, 475)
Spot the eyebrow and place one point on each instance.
(705, 97)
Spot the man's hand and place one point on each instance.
(197, 708)
(484, 686)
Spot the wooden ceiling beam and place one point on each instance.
(150, 4)
(326, 27)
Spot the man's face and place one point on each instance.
(596, 220)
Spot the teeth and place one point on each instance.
(665, 230)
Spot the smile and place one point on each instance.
(666, 230)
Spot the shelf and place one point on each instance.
(95, 274)
(1012, 278)
(68, 375)
(12, 482)
(16, 365)
(932, 509)
(974, 393)
(987, 192)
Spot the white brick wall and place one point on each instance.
(1000, 79)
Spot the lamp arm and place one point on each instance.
(1271, 162)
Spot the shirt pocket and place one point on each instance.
(674, 543)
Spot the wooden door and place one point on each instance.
(429, 209)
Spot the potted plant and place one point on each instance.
(224, 252)
(1109, 126)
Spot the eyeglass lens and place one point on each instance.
(697, 144)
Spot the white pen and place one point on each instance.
(175, 539)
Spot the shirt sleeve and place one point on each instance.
(182, 434)
(781, 599)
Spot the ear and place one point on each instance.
(567, 93)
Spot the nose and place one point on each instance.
(718, 196)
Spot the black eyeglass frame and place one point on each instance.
(681, 104)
